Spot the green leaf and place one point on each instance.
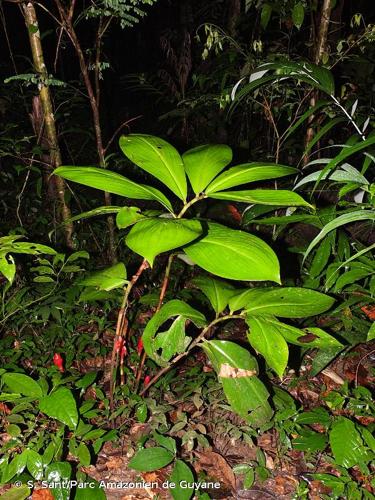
(265, 15)
(268, 341)
(234, 254)
(288, 302)
(298, 14)
(93, 213)
(166, 442)
(94, 492)
(22, 384)
(35, 464)
(15, 467)
(310, 441)
(316, 416)
(61, 405)
(172, 341)
(151, 459)
(127, 216)
(355, 216)
(151, 237)
(218, 292)
(83, 454)
(17, 493)
(158, 158)
(59, 473)
(7, 266)
(114, 183)
(346, 444)
(371, 333)
(203, 163)
(107, 279)
(306, 337)
(237, 371)
(282, 198)
(248, 172)
(181, 472)
(336, 175)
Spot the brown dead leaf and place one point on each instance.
(42, 494)
(217, 467)
(227, 371)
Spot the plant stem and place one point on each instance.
(186, 207)
(122, 327)
(195, 342)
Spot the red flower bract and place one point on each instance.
(147, 380)
(140, 346)
(58, 362)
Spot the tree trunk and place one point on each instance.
(48, 117)
(320, 46)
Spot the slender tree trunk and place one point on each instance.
(67, 23)
(320, 46)
(48, 116)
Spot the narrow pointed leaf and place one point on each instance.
(248, 172)
(151, 237)
(203, 163)
(158, 158)
(282, 198)
(114, 183)
(234, 255)
(237, 371)
(267, 340)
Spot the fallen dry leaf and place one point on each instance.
(216, 466)
(42, 494)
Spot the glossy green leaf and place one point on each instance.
(60, 474)
(310, 441)
(16, 493)
(158, 158)
(94, 492)
(346, 444)
(288, 302)
(237, 371)
(278, 197)
(248, 172)
(150, 459)
(298, 14)
(336, 176)
(173, 340)
(127, 216)
(151, 237)
(7, 266)
(94, 213)
(181, 472)
(83, 454)
(35, 464)
(303, 337)
(217, 291)
(317, 415)
(22, 384)
(114, 183)
(61, 405)
(339, 221)
(234, 254)
(15, 467)
(267, 340)
(107, 279)
(203, 163)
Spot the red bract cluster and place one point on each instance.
(58, 362)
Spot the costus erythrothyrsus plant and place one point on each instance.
(226, 257)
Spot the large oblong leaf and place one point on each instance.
(158, 158)
(114, 183)
(347, 444)
(151, 237)
(203, 163)
(61, 405)
(237, 371)
(248, 172)
(278, 197)
(107, 279)
(267, 340)
(234, 254)
(288, 302)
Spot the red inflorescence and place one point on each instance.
(58, 362)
